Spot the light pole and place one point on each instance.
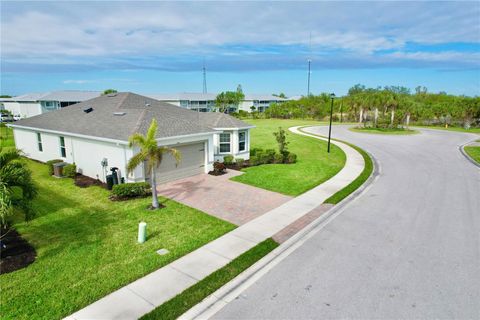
(332, 96)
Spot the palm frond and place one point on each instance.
(136, 160)
(136, 140)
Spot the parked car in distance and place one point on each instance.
(4, 117)
(17, 117)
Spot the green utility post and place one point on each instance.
(142, 232)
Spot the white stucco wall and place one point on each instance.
(87, 153)
(24, 109)
(234, 150)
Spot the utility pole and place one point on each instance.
(204, 77)
(309, 64)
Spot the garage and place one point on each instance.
(192, 163)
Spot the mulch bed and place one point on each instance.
(15, 252)
(234, 166)
(217, 173)
(115, 198)
(85, 182)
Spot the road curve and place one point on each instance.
(409, 247)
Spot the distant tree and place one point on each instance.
(109, 91)
(252, 108)
(5, 96)
(151, 154)
(280, 95)
(228, 99)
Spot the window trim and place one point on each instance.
(224, 143)
(39, 142)
(63, 149)
(244, 141)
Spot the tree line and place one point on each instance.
(390, 106)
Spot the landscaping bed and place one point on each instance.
(388, 131)
(84, 182)
(15, 252)
(87, 246)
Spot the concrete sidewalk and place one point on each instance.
(145, 294)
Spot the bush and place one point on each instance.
(291, 158)
(228, 160)
(254, 161)
(240, 162)
(278, 158)
(218, 167)
(131, 190)
(70, 170)
(254, 151)
(50, 164)
(269, 156)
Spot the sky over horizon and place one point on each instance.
(159, 47)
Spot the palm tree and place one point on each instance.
(151, 153)
(16, 185)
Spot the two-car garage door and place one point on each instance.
(191, 163)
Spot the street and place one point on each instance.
(408, 247)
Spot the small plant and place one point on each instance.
(281, 140)
(131, 190)
(291, 158)
(228, 160)
(240, 162)
(50, 164)
(70, 170)
(219, 167)
(254, 151)
(269, 156)
(278, 158)
(254, 161)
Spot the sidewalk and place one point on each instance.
(149, 292)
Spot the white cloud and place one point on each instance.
(87, 32)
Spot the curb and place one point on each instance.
(462, 151)
(232, 289)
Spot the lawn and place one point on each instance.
(86, 246)
(314, 165)
(6, 137)
(455, 129)
(473, 152)
(389, 131)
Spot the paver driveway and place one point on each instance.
(229, 200)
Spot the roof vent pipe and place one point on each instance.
(88, 110)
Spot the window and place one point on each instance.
(242, 140)
(224, 142)
(63, 151)
(39, 142)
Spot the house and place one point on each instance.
(96, 131)
(205, 102)
(32, 104)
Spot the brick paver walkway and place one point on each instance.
(232, 201)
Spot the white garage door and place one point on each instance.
(192, 163)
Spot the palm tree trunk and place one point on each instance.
(360, 118)
(392, 117)
(154, 191)
(408, 120)
(376, 116)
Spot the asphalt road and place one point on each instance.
(409, 247)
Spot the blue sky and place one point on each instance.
(156, 47)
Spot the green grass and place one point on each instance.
(175, 307)
(355, 184)
(389, 131)
(455, 129)
(87, 248)
(314, 165)
(6, 137)
(473, 152)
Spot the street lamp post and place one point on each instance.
(332, 96)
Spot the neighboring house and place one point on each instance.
(32, 104)
(94, 130)
(205, 102)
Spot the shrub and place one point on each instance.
(50, 164)
(269, 156)
(254, 151)
(281, 138)
(219, 167)
(228, 159)
(254, 161)
(278, 158)
(291, 158)
(240, 162)
(131, 190)
(70, 170)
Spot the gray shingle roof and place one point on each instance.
(138, 112)
(62, 96)
(197, 96)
